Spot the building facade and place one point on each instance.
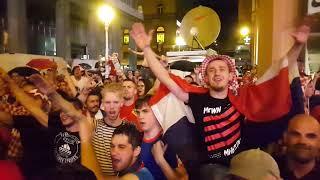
(272, 23)
(66, 28)
(161, 16)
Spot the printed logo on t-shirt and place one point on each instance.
(210, 110)
(67, 148)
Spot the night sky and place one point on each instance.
(228, 13)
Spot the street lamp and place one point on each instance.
(244, 31)
(106, 14)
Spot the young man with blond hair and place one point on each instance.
(112, 101)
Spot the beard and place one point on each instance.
(94, 109)
(218, 88)
(301, 157)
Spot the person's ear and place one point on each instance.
(137, 151)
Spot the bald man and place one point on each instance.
(302, 140)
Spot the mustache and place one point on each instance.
(301, 146)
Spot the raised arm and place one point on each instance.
(158, 151)
(143, 41)
(88, 156)
(55, 98)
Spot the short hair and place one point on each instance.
(114, 88)
(189, 77)
(131, 131)
(74, 68)
(143, 101)
(75, 101)
(129, 80)
(95, 92)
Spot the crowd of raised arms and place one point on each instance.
(150, 124)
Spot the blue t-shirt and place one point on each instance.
(150, 163)
(144, 174)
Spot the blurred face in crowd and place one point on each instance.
(141, 88)
(77, 72)
(309, 90)
(130, 75)
(66, 120)
(146, 118)
(122, 152)
(113, 78)
(302, 138)
(93, 104)
(130, 90)
(218, 75)
(63, 86)
(137, 73)
(112, 102)
(188, 79)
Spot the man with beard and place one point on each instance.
(93, 103)
(302, 140)
(219, 111)
(130, 96)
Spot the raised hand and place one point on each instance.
(140, 36)
(302, 32)
(86, 128)
(197, 69)
(158, 150)
(44, 86)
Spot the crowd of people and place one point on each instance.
(151, 124)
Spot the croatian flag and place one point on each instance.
(261, 103)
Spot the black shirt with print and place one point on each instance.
(219, 125)
(66, 145)
(36, 147)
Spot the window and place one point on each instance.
(140, 9)
(160, 35)
(126, 37)
(160, 9)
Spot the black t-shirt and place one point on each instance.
(65, 145)
(219, 125)
(36, 147)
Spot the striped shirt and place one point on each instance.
(101, 143)
(219, 124)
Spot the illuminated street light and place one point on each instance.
(244, 31)
(106, 14)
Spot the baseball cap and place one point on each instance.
(254, 164)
